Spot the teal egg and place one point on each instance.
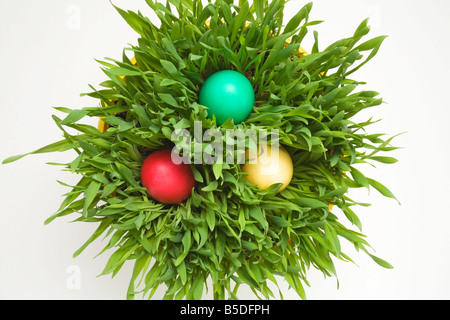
(227, 94)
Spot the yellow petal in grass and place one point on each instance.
(102, 125)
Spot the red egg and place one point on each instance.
(166, 181)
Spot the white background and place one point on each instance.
(47, 51)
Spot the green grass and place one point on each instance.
(228, 230)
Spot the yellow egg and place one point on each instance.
(268, 167)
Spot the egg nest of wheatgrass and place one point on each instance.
(228, 233)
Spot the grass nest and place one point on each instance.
(228, 230)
